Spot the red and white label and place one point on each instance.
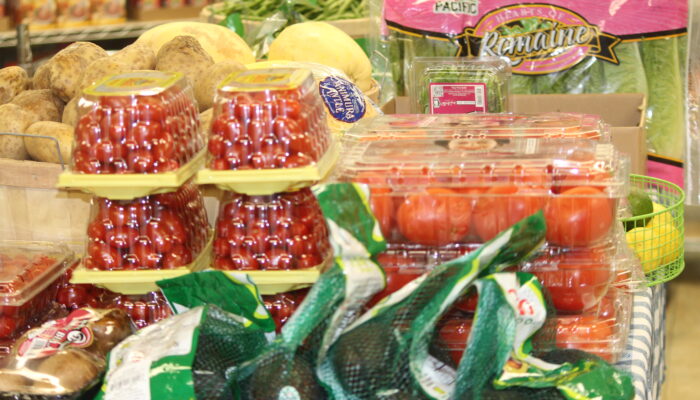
(457, 98)
(56, 335)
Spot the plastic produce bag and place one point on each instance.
(558, 46)
(394, 360)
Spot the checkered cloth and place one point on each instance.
(644, 355)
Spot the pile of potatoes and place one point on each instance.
(48, 103)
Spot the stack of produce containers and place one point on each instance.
(138, 143)
(442, 185)
(269, 130)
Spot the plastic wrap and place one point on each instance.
(164, 231)
(558, 46)
(267, 119)
(448, 85)
(63, 358)
(137, 123)
(285, 231)
(268, 133)
(31, 274)
(451, 128)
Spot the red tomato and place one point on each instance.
(396, 278)
(8, 326)
(500, 208)
(159, 236)
(468, 302)
(105, 256)
(455, 333)
(178, 257)
(587, 333)
(146, 255)
(73, 296)
(576, 281)
(121, 237)
(578, 217)
(436, 218)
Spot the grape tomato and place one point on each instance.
(128, 123)
(162, 231)
(276, 232)
(266, 119)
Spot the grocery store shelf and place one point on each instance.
(131, 29)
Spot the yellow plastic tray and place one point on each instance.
(259, 182)
(273, 282)
(140, 281)
(131, 186)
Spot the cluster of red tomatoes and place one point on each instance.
(143, 309)
(162, 231)
(267, 129)
(20, 305)
(282, 231)
(282, 305)
(137, 133)
(577, 216)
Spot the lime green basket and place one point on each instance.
(657, 238)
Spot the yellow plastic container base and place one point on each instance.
(258, 182)
(131, 186)
(273, 282)
(140, 281)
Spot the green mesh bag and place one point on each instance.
(386, 353)
(511, 309)
(287, 369)
(182, 357)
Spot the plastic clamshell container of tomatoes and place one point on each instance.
(138, 133)
(158, 232)
(455, 127)
(30, 275)
(430, 196)
(602, 330)
(268, 133)
(140, 282)
(283, 231)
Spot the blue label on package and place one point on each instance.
(343, 100)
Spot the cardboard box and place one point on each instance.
(624, 112)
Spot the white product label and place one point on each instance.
(130, 362)
(437, 378)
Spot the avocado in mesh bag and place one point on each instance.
(386, 353)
